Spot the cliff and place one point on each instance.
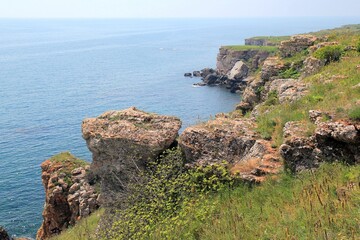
(68, 194)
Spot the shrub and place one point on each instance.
(329, 53)
(355, 113)
(289, 73)
(358, 46)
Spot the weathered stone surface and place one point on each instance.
(196, 73)
(296, 44)
(207, 71)
(66, 194)
(331, 141)
(251, 95)
(227, 58)
(239, 71)
(122, 142)
(272, 68)
(288, 90)
(311, 66)
(233, 140)
(321, 45)
(211, 79)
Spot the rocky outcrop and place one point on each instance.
(68, 194)
(233, 140)
(122, 142)
(296, 44)
(311, 66)
(272, 68)
(227, 58)
(287, 90)
(331, 141)
(239, 71)
(321, 45)
(251, 95)
(259, 42)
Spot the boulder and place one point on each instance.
(66, 194)
(296, 44)
(272, 68)
(197, 74)
(239, 71)
(122, 143)
(288, 90)
(207, 71)
(187, 75)
(211, 79)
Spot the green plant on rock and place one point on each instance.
(354, 113)
(272, 99)
(289, 73)
(329, 53)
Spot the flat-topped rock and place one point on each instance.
(122, 142)
(296, 44)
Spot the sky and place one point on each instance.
(176, 8)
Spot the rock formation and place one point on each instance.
(122, 142)
(233, 140)
(311, 66)
(259, 42)
(331, 141)
(296, 44)
(272, 68)
(227, 58)
(68, 194)
(3, 234)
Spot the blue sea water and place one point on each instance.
(54, 73)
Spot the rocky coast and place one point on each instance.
(268, 74)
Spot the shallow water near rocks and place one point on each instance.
(55, 73)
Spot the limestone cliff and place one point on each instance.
(68, 194)
(122, 142)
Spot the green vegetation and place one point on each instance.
(355, 113)
(289, 73)
(320, 205)
(270, 49)
(85, 229)
(329, 53)
(161, 193)
(358, 46)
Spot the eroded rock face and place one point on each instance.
(258, 42)
(227, 58)
(122, 142)
(296, 44)
(272, 68)
(68, 195)
(331, 141)
(231, 140)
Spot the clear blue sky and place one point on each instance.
(175, 8)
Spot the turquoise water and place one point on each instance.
(54, 73)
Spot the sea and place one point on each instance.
(56, 72)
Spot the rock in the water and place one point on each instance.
(211, 79)
(187, 75)
(3, 234)
(67, 194)
(197, 74)
(122, 143)
(207, 71)
(239, 71)
(296, 44)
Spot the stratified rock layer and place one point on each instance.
(296, 44)
(122, 142)
(68, 195)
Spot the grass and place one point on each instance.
(85, 229)
(68, 158)
(320, 205)
(270, 49)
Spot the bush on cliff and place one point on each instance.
(329, 53)
(162, 192)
